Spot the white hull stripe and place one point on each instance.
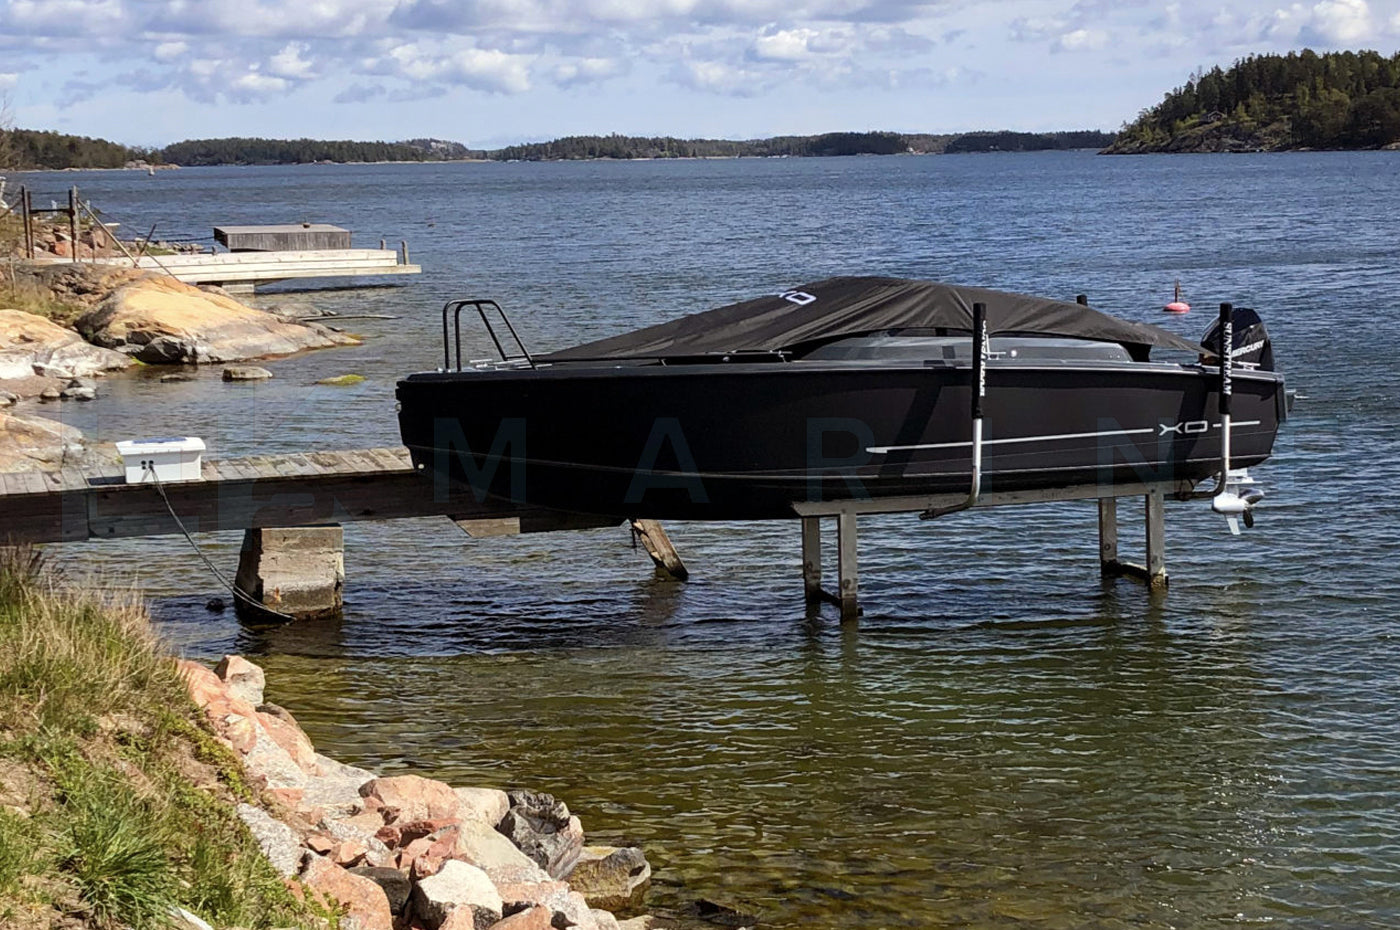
(884, 450)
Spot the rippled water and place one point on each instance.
(1005, 738)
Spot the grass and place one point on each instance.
(116, 802)
(20, 291)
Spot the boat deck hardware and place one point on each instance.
(455, 307)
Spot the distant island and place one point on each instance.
(1275, 103)
(30, 149)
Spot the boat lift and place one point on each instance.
(1232, 496)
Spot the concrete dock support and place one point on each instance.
(1154, 571)
(297, 572)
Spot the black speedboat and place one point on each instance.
(849, 389)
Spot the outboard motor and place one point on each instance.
(1234, 497)
(1251, 347)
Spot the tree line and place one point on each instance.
(827, 144)
(254, 151)
(28, 148)
(1334, 100)
(51, 150)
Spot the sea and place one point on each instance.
(1004, 738)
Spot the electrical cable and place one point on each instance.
(237, 592)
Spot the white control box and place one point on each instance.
(176, 458)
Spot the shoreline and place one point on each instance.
(353, 836)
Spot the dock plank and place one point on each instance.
(74, 479)
(387, 460)
(305, 468)
(32, 482)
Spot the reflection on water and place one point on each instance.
(1005, 737)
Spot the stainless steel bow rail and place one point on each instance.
(455, 307)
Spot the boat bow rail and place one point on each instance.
(452, 344)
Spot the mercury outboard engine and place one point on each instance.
(1250, 346)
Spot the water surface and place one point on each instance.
(1005, 738)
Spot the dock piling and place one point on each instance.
(658, 545)
(297, 572)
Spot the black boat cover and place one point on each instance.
(851, 306)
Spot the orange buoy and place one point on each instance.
(1177, 305)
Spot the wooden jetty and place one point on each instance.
(242, 271)
(312, 489)
(307, 489)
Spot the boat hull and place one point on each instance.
(759, 440)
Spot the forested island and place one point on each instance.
(1273, 103)
(26, 149)
(1263, 103)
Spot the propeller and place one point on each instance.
(1236, 501)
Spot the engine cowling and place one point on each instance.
(1250, 346)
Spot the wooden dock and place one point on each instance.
(307, 489)
(244, 270)
(262, 492)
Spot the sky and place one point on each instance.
(494, 72)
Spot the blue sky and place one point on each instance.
(493, 72)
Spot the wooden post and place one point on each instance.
(383, 245)
(846, 564)
(27, 200)
(404, 244)
(812, 558)
(73, 223)
(658, 546)
(1108, 534)
(1156, 538)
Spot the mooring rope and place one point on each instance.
(237, 592)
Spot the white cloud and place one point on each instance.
(1342, 21)
(489, 70)
(288, 63)
(8, 79)
(785, 44)
(587, 71)
(63, 17)
(717, 77)
(1080, 40)
(256, 86)
(170, 51)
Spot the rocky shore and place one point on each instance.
(95, 320)
(406, 852)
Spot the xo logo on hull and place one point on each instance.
(1189, 428)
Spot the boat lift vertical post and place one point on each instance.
(812, 559)
(846, 565)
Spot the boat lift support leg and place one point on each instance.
(1154, 572)
(847, 596)
(846, 565)
(812, 559)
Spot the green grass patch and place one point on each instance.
(116, 801)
